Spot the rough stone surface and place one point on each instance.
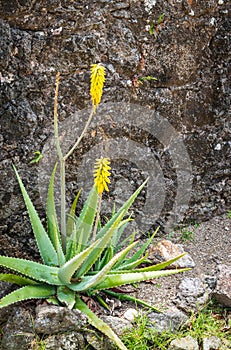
(168, 321)
(54, 319)
(211, 343)
(187, 53)
(119, 325)
(187, 343)
(96, 341)
(66, 341)
(166, 250)
(192, 294)
(18, 332)
(223, 287)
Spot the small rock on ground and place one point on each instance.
(52, 319)
(169, 321)
(18, 332)
(166, 250)
(211, 343)
(187, 343)
(66, 341)
(192, 294)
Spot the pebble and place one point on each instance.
(187, 343)
(166, 250)
(130, 314)
(211, 343)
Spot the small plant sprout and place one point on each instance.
(82, 258)
(148, 78)
(37, 158)
(155, 25)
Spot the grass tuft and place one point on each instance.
(210, 321)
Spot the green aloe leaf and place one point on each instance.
(72, 245)
(161, 265)
(139, 253)
(39, 272)
(87, 216)
(95, 279)
(68, 269)
(50, 208)
(133, 264)
(102, 302)
(103, 242)
(84, 223)
(99, 324)
(27, 292)
(71, 217)
(45, 246)
(19, 280)
(127, 240)
(52, 221)
(116, 238)
(66, 296)
(123, 210)
(127, 297)
(120, 262)
(57, 245)
(107, 255)
(115, 280)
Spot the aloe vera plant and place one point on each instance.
(87, 267)
(81, 257)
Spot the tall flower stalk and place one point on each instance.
(62, 165)
(96, 91)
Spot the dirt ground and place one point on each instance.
(209, 245)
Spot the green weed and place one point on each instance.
(38, 156)
(208, 322)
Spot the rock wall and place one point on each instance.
(184, 44)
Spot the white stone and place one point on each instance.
(211, 343)
(218, 147)
(212, 21)
(56, 31)
(184, 344)
(148, 4)
(129, 83)
(130, 314)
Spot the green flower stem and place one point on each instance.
(62, 160)
(63, 183)
(63, 204)
(81, 136)
(62, 166)
(97, 218)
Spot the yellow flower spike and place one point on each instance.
(101, 174)
(97, 83)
